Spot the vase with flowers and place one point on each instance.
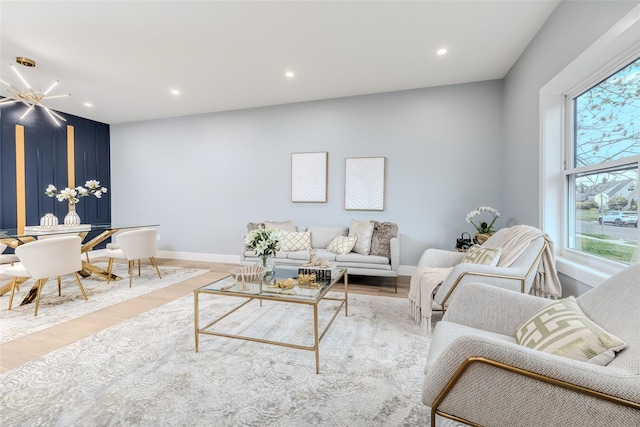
(484, 229)
(266, 242)
(73, 196)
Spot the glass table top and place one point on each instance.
(303, 292)
(33, 231)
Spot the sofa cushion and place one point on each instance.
(295, 241)
(322, 236)
(354, 257)
(282, 225)
(482, 255)
(383, 232)
(342, 244)
(363, 231)
(561, 328)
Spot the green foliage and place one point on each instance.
(618, 203)
(588, 204)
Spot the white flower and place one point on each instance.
(92, 183)
(483, 227)
(73, 195)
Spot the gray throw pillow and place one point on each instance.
(383, 232)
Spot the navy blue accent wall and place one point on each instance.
(46, 163)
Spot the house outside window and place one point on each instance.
(601, 168)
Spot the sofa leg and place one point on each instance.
(395, 283)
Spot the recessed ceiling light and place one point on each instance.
(88, 104)
(441, 51)
(175, 91)
(289, 74)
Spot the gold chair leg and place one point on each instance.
(138, 268)
(155, 264)
(40, 284)
(84, 294)
(109, 268)
(59, 286)
(131, 271)
(13, 287)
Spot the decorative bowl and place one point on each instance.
(250, 273)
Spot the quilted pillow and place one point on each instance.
(481, 255)
(363, 231)
(383, 232)
(295, 241)
(561, 328)
(341, 245)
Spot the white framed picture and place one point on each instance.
(364, 183)
(309, 177)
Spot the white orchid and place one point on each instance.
(483, 227)
(266, 242)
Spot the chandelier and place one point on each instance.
(30, 97)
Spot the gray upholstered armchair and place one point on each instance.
(477, 373)
(518, 276)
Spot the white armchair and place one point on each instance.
(517, 277)
(134, 245)
(476, 372)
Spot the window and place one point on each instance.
(601, 174)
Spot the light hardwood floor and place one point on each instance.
(15, 353)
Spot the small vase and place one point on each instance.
(268, 263)
(48, 220)
(72, 217)
(480, 238)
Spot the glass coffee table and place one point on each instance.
(300, 294)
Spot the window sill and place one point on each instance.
(589, 275)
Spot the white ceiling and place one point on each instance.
(125, 56)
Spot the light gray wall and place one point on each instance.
(204, 177)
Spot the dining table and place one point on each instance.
(14, 237)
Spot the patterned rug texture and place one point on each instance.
(20, 321)
(145, 372)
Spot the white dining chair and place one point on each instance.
(6, 258)
(47, 258)
(134, 245)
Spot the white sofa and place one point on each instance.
(355, 263)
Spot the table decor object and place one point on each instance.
(49, 220)
(73, 195)
(484, 229)
(251, 273)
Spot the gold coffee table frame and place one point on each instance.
(256, 294)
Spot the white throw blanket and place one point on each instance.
(513, 241)
(424, 282)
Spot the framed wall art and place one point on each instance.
(364, 183)
(309, 177)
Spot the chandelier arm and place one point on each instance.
(26, 112)
(51, 112)
(22, 78)
(51, 115)
(9, 100)
(55, 96)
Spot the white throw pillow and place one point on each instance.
(341, 245)
(363, 231)
(561, 328)
(482, 255)
(295, 241)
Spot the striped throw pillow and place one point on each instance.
(480, 255)
(561, 328)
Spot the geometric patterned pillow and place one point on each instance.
(480, 255)
(295, 241)
(561, 328)
(342, 244)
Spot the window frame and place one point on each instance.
(617, 48)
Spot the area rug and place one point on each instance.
(145, 372)
(20, 320)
